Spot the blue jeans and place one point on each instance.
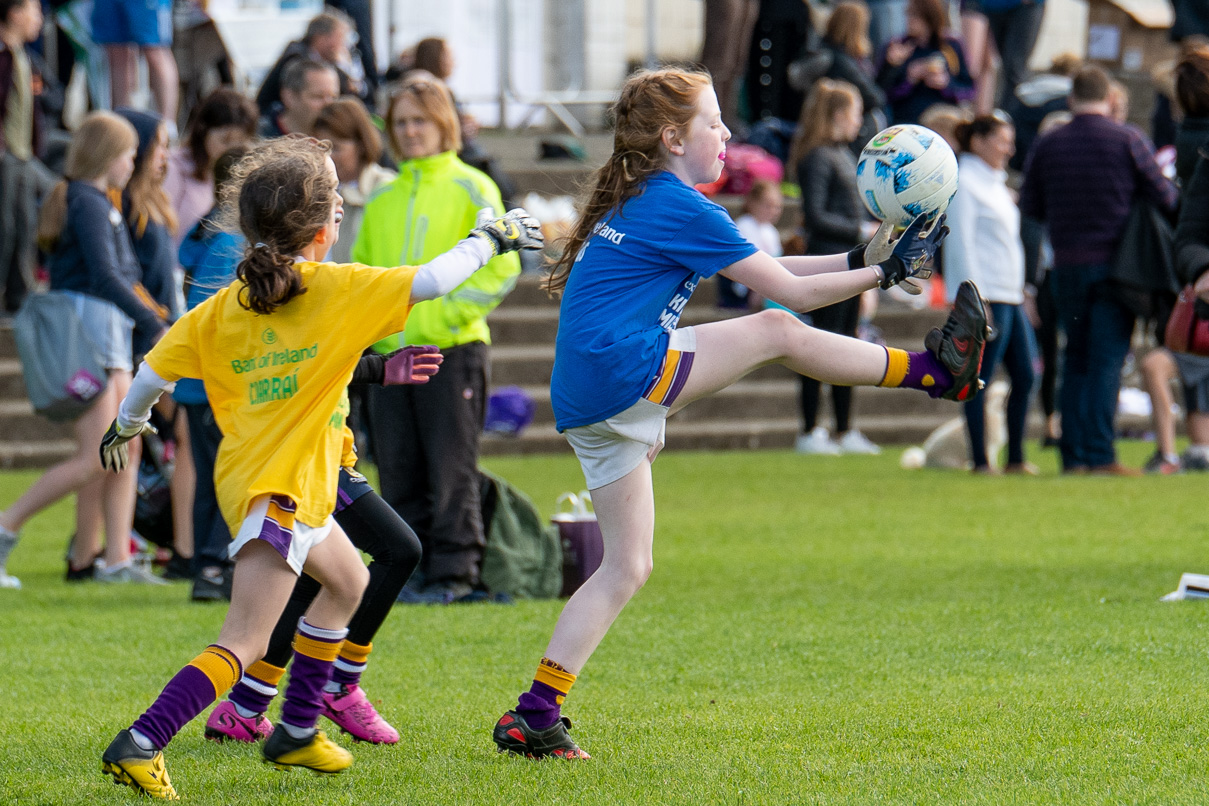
(1098, 329)
(1016, 348)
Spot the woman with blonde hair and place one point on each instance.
(91, 259)
(425, 439)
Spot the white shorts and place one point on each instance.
(611, 448)
(271, 519)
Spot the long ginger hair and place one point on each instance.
(651, 102)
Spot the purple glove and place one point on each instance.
(412, 365)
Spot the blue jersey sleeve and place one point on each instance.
(708, 243)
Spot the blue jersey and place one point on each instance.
(209, 257)
(626, 292)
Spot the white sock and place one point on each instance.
(244, 712)
(297, 732)
(1201, 451)
(141, 740)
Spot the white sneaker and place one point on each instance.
(817, 442)
(128, 572)
(8, 541)
(856, 442)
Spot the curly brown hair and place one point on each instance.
(280, 195)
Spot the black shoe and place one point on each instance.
(85, 574)
(512, 734)
(960, 343)
(177, 567)
(213, 584)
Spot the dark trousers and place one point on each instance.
(373, 527)
(1015, 33)
(1098, 330)
(211, 537)
(1047, 342)
(426, 442)
(841, 318)
(1014, 347)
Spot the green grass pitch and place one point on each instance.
(816, 630)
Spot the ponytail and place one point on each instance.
(981, 126)
(269, 279)
(651, 101)
(280, 195)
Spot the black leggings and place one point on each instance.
(841, 318)
(375, 528)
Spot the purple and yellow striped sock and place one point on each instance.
(541, 705)
(315, 652)
(257, 688)
(916, 371)
(351, 663)
(188, 693)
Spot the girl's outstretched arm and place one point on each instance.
(512, 232)
(807, 265)
(770, 278)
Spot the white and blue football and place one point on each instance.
(904, 171)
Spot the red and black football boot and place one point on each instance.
(959, 344)
(512, 734)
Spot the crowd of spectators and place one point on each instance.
(1051, 171)
(130, 224)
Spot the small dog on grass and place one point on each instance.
(948, 447)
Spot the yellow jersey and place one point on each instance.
(278, 382)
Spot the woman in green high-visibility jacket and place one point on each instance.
(425, 440)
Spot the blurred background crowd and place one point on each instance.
(1083, 212)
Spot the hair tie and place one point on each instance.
(260, 245)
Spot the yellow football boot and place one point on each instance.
(139, 769)
(317, 752)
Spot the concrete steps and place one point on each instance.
(26, 440)
(760, 411)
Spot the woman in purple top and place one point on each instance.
(925, 67)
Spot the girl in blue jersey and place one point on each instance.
(644, 240)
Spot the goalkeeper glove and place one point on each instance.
(511, 232)
(908, 255)
(114, 453)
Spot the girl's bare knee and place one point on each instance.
(352, 586)
(780, 326)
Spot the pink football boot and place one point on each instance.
(352, 711)
(226, 723)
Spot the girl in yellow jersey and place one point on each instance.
(276, 350)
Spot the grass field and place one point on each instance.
(815, 631)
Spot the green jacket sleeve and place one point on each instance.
(487, 287)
